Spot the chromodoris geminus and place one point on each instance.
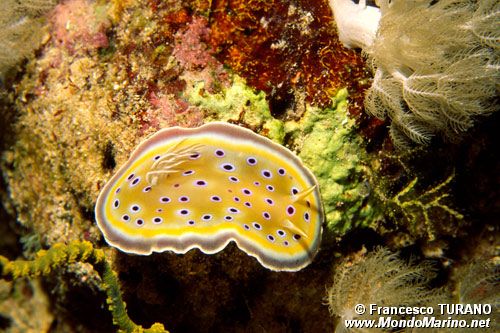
(186, 188)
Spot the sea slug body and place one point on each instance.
(205, 187)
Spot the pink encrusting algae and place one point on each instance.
(204, 187)
(78, 24)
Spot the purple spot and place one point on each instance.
(164, 199)
(295, 191)
(228, 218)
(257, 226)
(236, 199)
(281, 172)
(285, 243)
(266, 215)
(246, 191)
(251, 161)
(290, 210)
(135, 181)
(194, 156)
(183, 199)
(246, 227)
(118, 190)
(296, 237)
(266, 174)
(308, 204)
(206, 217)
(157, 220)
(125, 218)
(219, 153)
(256, 183)
(184, 212)
(139, 222)
(187, 173)
(135, 208)
(130, 176)
(270, 201)
(201, 183)
(270, 188)
(306, 216)
(157, 157)
(191, 222)
(281, 233)
(159, 210)
(116, 203)
(227, 167)
(215, 198)
(146, 189)
(233, 179)
(270, 238)
(248, 204)
(233, 210)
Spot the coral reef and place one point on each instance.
(111, 73)
(92, 100)
(82, 107)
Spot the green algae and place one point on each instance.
(421, 210)
(238, 103)
(329, 145)
(326, 141)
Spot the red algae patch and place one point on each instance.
(78, 24)
(280, 47)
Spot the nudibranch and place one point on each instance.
(204, 187)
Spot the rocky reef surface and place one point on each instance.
(110, 73)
